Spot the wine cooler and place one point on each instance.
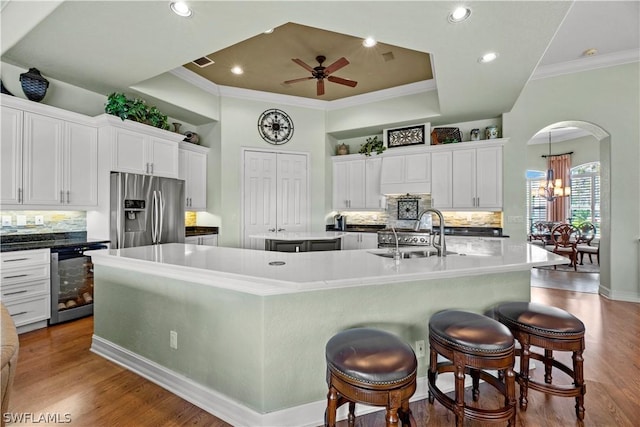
(71, 282)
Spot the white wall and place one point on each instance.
(585, 150)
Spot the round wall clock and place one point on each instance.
(408, 209)
(275, 126)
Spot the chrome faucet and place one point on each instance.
(441, 246)
(396, 254)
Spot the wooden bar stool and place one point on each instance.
(473, 344)
(551, 329)
(372, 367)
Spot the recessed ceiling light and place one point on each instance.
(459, 14)
(488, 57)
(180, 8)
(237, 70)
(590, 52)
(369, 42)
(269, 31)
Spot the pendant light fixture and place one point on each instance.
(553, 187)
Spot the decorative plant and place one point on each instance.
(135, 109)
(372, 144)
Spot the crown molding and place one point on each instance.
(297, 101)
(586, 64)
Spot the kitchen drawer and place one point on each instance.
(24, 311)
(21, 290)
(24, 258)
(12, 276)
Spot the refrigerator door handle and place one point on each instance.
(154, 218)
(161, 215)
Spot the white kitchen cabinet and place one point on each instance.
(25, 287)
(205, 240)
(354, 240)
(407, 173)
(477, 178)
(193, 169)
(356, 183)
(441, 179)
(53, 161)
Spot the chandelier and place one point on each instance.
(553, 187)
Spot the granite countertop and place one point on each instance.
(199, 230)
(23, 242)
(299, 235)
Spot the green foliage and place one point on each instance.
(135, 109)
(372, 145)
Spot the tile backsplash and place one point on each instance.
(52, 222)
(190, 219)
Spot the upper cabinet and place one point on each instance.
(409, 172)
(48, 160)
(467, 178)
(356, 183)
(193, 169)
(139, 148)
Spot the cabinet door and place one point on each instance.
(209, 240)
(393, 170)
(464, 178)
(441, 176)
(11, 156)
(192, 240)
(368, 240)
(418, 168)
(489, 177)
(130, 152)
(373, 197)
(163, 157)
(196, 181)
(357, 180)
(351, 241)
(81, 165)
(42, 160)
(340, 185)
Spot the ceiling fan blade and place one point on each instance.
(336, 65)
(342, 81)
(320, 87)
(298, 80)
(302, 64)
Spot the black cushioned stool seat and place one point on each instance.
(472, 344)
(551, 329)
(372, 367)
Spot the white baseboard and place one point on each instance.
(227, 409)
(618, 296)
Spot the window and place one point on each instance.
(585, 194)
(536, 206)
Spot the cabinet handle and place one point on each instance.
(147, 170)
(477, 201)
(68, 197)
(16, 293)
(281, 229)
(271, 230)
(15, 259)
(20, 195)
(16, 276)
(19, 314)
(61, 196)
(151, 168)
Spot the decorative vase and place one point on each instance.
(176, 127)
(475, 135)
(491, 132)
(34, 85)
(342, 149)
(192, 137)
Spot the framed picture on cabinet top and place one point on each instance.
(406, 136)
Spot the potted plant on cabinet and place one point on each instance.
(135, 109)
(372, 144)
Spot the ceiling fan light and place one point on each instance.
(369, 42)
(180, 8)
(459, 14)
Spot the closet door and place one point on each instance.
(291, 192)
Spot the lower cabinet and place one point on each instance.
(360, 241)
(302, 245)
(204, 240)
(25, 287)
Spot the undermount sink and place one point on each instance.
(424, 253)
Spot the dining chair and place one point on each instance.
(586, 243)
(539, 233)
(564, 240)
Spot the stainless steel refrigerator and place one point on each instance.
(146, 210)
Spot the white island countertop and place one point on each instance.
(300, 235)
(271, 273)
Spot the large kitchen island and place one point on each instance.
(241, 333)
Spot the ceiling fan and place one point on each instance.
(320, 73)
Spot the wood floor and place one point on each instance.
(58, 374)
